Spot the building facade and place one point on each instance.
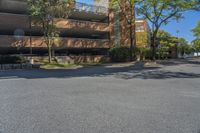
(89, 30)
(120, 29)
(85, 32)
(143, 35)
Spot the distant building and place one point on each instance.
(142, 33)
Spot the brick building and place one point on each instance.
(89, 30)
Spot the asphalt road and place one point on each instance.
(106, 99)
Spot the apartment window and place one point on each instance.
(139, 28)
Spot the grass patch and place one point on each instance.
(58, 66)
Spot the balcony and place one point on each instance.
(77, 24)
(82, 7)
(81, 10)
(38, 42)
(11, 22)
(13, 6)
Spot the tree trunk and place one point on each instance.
(182, 52)
(134, 31)
(153, 48)
(154, 44)
(131, 41)
(176, 51)
(30, 27)
(53, 52)
(49, 51)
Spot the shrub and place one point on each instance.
(119, 54)
(8, 59)
(148, 54)
(143, 53)
(185, 49)
(163, 52)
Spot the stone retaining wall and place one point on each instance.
(16, 66)
(61, 59)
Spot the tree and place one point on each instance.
(165, 38)
(127, 9)
(196, 42)
(184, 47)
(196, 45)
(44, 12)
(159, 12)
(196, 30)
(166, 42)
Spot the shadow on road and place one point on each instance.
(132, 71)
(158, 74)
(179, 62)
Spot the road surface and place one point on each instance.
(119, 98)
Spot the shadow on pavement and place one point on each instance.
(158, 74)
(132, 71)
(174, 62)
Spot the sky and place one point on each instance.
(184, 26)
(85, 1)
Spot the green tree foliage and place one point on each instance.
(184, 47)
(143, 53)
(119, 54)
(160, 12)
(44, 11)
(196, 42)
(196, 45)
(163, 52)
(165, 38)
(196, 30)
(165, 42)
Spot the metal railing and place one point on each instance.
(91, 8)
(79, 22)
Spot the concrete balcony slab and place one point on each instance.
(60, 43)
(11, 22)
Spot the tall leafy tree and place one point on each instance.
(196, 45)
(160, 12)
(184, 47)
(165, 42)
(196, 30)
(44, 12)
(196, 42)
(127, 9)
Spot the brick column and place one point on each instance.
(111, 27)
(124, 35)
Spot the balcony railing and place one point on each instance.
(71, 23)
(19, 6)
(15, 21)
(91, 8)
